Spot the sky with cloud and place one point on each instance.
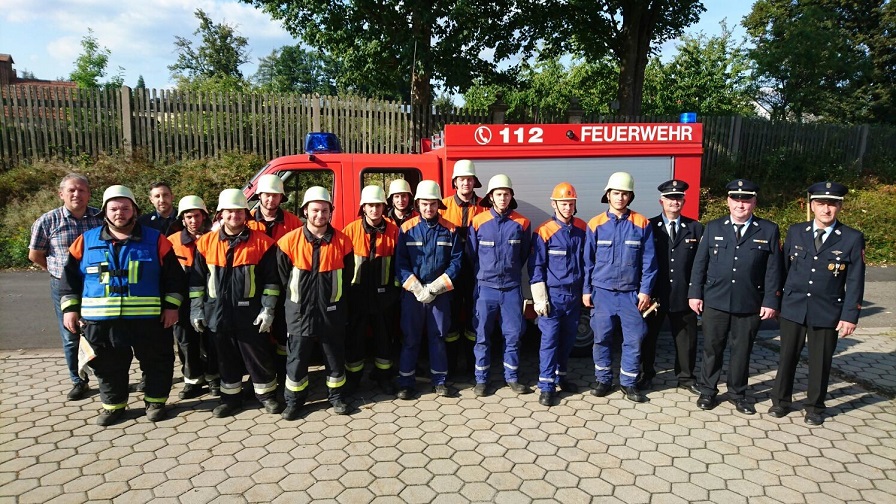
(44, 36)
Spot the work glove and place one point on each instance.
(540, 299)
(198, 324)
(264, 320)
(441, 285)
(420, 292)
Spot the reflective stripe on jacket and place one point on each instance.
(121, 280)
(234, 277)
(314, 272)
(558, 255)
(428, 250)
(499, 245)
(619, 253)
(373, 283)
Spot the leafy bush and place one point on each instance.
(29, 190)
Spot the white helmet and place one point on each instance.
(188, 203)
(620, 181)
(429, 190)
(316, 193)
(232, 199)
(269, 184)
(371, 194)
(499, 181)
(399, 186)
(465, 168)
(119, 191)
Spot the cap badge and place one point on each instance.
(740, 183)
(828, 185)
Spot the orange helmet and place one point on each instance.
(564, 191)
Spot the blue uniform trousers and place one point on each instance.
(490, 303)
(612, 308)
(435, 319)
(558, 334)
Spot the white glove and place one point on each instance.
(441, 285)
(420, 292)
(540, 298)
(425, 296)
(264, 320)
(198, 324)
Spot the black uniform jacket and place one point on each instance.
(675, 261)
(738, 276)
(824, 287)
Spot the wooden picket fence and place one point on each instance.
(168, 125)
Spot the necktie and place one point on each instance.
(818, 241)
(672, 230)
(739, 230)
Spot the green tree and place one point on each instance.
(91, 64)
(707, 75)
(293, 69)
(398, 48)
(215, 63)
(141, 84)
(627, 30)
(827, 59)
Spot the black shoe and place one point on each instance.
(814, 419)
(339, 407)
(225, 410)
(386, 386)
(291, 412)
(691, 387)
(190, 391)
(743, 406)
(602, 389)
(78, 392)
(518, 387)
(706, 402)
(442, 390)
(272, 406)
(777, 412)
(645, 384)
(634, 395)
(546, 399)
(108, 417)
(480, 390)
(568, 386)
(214, 388)
(406, 393)
(155, 412)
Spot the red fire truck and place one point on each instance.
(535, 156)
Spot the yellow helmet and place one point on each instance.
(118, 191)
(269, 184)
(188, 203)
(232, 199)
(620, 181)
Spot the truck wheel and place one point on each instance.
(584, 336)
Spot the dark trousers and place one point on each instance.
(238, 354)
(821, 341)
(116, 343)
(684, 334)
(278, 340)
(716, 328)
(462, 334)
(197, 354)
(356, 344)
(300, 349)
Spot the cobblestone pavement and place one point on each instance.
(501, 448)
